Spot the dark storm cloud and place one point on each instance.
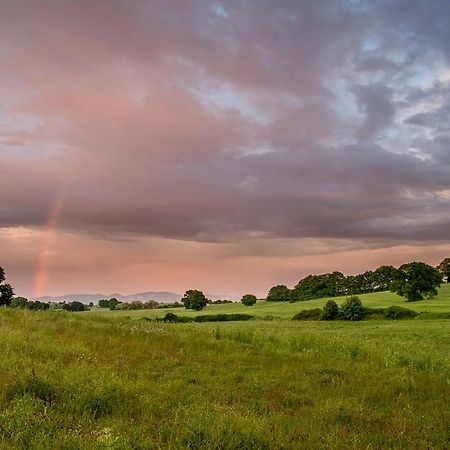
(216, 120)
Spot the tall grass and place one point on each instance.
(71, 380)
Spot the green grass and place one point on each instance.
(87, 380)
(435, 307)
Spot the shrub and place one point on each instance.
(173, 318)
(352, 309)
(75, 306)
(330, 311)
(308, 314)
(248, 300)
(223, 317)
(397, 312)
(37, 305)
(19, 302)
(170, 317)
(374, 313)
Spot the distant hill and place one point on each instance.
(165, 297)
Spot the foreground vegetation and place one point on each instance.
(72, 380)
(227, 379)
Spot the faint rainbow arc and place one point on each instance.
(40, 274)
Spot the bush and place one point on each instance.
(330, 311)
(223, 317)
(248, 300)
(170, 317)
(374, 313)
(397, 312)
(173, 318)
(352, 309)
(308, 314)
(19, 302)
(75, 306)
(37, 305)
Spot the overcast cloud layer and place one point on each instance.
(240, 129)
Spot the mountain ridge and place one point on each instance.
(159, 296)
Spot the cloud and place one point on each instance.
(228, 123)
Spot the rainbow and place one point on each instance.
(40, 274)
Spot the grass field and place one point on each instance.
(435, 307)
(102, 380)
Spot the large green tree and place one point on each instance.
(6, 291)
(319, 286)
(415, 281)
(194, 299)
(444, 269)
(279, 293)
(383, 277)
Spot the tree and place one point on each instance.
(279, 293)
(444, 269)
(194, 299)
(248, 300)
(37, 305)
(416, 280)
(352, 309)
(383, 277)
(75, 306)
(330, 311)
(319, 286)
(19, 302)
(6, 291)
(113, 302)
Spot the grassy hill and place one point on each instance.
(438, 306)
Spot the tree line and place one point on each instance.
(414, 281)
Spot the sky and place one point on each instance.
(226, 146)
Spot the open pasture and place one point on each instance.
(84, 380)
(435, 307)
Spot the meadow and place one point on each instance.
(437, 307)
(108, 379)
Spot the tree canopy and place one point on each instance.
(444, 270)
(416, 280)
(319, 286)
(279, 293)
(248, 299)
(6, 291)
(194, 299)
(335, 284)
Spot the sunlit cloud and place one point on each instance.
(270, 136)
